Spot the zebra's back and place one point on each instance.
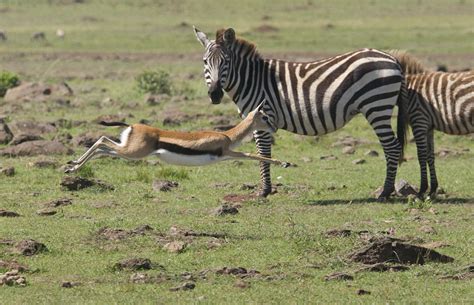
(446, 99)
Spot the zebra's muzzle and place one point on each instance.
(216, 95)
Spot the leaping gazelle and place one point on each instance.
(181, 148)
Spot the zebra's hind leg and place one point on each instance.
(431, 164)
(263, 140)
(392, 150)
(422, 152)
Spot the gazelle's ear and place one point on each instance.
(229, 36)
(201, 37)
(260, 106)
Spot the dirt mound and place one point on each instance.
(385, 249)
(5, 133)
(35, 148)
(59, 202)
(7, 171)
(75, 183)
(226, 209)
(119, 234)
(164, 185)
(89, 138)
(37, 92)
(237, 271)
(175, 246)
(12, 265)
(21, 138)
(12, 278)
(134, 264)
(29, 247)
(5, 213)
(32, 128)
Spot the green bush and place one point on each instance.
(8, 80)
(154, 82)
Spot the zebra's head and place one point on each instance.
(216, 62)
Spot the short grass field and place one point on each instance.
(283, 237)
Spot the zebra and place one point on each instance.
(312, 98)
(442, 101)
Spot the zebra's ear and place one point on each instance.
(201, 37)
(229, 36)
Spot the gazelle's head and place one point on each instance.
(216, 58)
(260, 120)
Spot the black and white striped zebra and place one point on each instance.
(312, 98)
(440, 101)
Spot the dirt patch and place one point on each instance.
(12, 265)
(134, 264)
(75, 183)
(59, 202)
(328, 157)
(164, 185)
(46, 212)
(338, 276)
(226, 209)
(37, 92)
(238, 272)
(175, 246)
(68, 284)
(239, 198)
(5, 213)
(110, 118)
(385, 249)
(35, 148)
(12, 278)
(119, 234)
(184, 287)
(8, 171)
(382, 267)
(348, 150)
(29, 247)
(362, 292)
(32, 128)
(371, 153)
(436, 244)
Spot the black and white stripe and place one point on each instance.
(436, 101)
(312, 98)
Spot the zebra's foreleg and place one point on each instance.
(263, 140)
(431, 164)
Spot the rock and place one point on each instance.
(134, 264)
(67, 284)
(59, 202)
(75, 183)
(338, 276)
(32, 128)
(404, 189)
(46, 212)
(12, 265)
(385, 249)
(5, 213)
(8, 171)
(372, 153)
(226, 209)
(34, 148)
(12, 278)
(29, 247)
(5, 133)
(20, 138)
(89, 138)
(348, 150)
(362, 292)
(175, 246)
(37, 92)
(184, 287)
(358, 161)
(164, 185)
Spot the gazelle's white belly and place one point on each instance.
(187, 160)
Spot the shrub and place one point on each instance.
(154, 82)
(8, 80)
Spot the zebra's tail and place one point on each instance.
(402, 119)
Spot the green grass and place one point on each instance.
(282, 236)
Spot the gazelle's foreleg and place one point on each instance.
(242, 155)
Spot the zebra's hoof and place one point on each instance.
(383, 198)
(264, 193)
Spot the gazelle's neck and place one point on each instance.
(239, 132)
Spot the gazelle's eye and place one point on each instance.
(205, 61)
(265, 118)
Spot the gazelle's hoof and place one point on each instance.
(72, 162)
(288, 164)
(70, 170)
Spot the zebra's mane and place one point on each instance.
(246, 47)
(409, 63)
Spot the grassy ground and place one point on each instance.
(108, 43)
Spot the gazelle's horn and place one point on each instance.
(260, 106)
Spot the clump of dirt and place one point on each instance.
(328, 157)
(348, 150)
(164, 185)
(382, 267)
(176, 117)
(35, 148)
(358, 161)
(362, 292)
(226, 209)
(179, 232)
(32, 128)
(338, 276)
(238, 271)
(338, 233)
(371, 153)
(405, 189)
(68, 284)
(88, 139)
(12, 278)
(29, 247)
(386, 249)
(12, 265)
(76, 183)
(5, 213)
(184, 287)
(46, 212)
(175, 246)
(59, 202)
(21, 138)
(8, 171)
(109, 118)
(134, 264)
(466, 273)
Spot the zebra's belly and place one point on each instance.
(186, 160)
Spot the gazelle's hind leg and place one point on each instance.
(242, 155)
(103, 146)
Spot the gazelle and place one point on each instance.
(181, 148)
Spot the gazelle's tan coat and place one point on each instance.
(182, 148)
